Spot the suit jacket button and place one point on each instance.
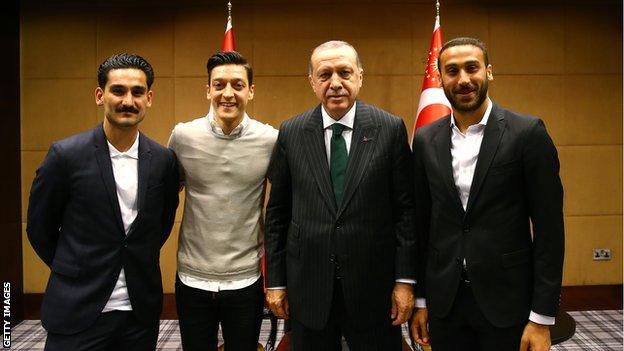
(466, 229)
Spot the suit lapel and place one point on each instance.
(145, 159)
(491, 139)
(443, 149)
(314, 146)
(102, 155)
(362, 147)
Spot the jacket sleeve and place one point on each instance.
(172, 187)
(48, 196)
(422, 212)
(403, 206)
(545, 204)
(278, 215)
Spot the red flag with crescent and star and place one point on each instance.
(433, 103)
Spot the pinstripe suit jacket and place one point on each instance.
(371, 234)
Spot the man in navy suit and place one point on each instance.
(489, 209)
(339, 236)
(101, 206)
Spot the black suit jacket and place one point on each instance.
(371, 234)
(516, 183)
(75, 226)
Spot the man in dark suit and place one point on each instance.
(339, 235)
(101, 206)
(489, 207)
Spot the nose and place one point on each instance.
(335, 82)
(228, 91)
(127, 99)
(464, 77)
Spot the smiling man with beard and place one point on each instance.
(101, 206)
(489, 210)
(223, 162)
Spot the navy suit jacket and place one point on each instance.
(371, 234)
(75, 226)
(513, 268)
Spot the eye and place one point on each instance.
(451, 71)
(323, 76)
(117, 91)
(346, 74)
(217, 85)
(472, 68)
(138, 92)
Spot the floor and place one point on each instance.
(595, 330)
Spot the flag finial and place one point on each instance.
(437, 10)
(229, 11)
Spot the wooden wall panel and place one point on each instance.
(552, 59)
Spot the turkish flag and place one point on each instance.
(228, 39)
(433, 103)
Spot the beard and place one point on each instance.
(467, 106)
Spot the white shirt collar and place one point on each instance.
(346, 120)
(483, 120)
(132, 152)
(216, 128)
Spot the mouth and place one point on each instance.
(465, 92)
(336, 97)
(227, 104)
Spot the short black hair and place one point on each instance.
(465, 41)
(121, 61)
(229, 58)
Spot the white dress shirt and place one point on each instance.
(346, 120)
(125, 172)
(465, 153)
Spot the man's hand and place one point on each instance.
(277, 299)
(418, 327)
(402, 303)
(536, 337)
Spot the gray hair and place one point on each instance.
(333, 44)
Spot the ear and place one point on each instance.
(149, 96)
(488, 72)
(99, 96)
(251, 92)
(361, 72)
(311, 82)
(208, 92)
(438, 78)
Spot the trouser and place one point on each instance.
(381, 337)
(238, 311)
(115, 330)
(466, 328)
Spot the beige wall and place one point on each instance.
(562, 62)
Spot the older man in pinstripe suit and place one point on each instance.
(339, 232)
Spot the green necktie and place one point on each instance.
(338, 161)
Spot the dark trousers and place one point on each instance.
(466, 328)
(238, 311)
(115, 330)
(382, 337)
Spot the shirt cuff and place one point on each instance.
(407, 281)
(541, 319)
(277, 288)
(421, 302)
